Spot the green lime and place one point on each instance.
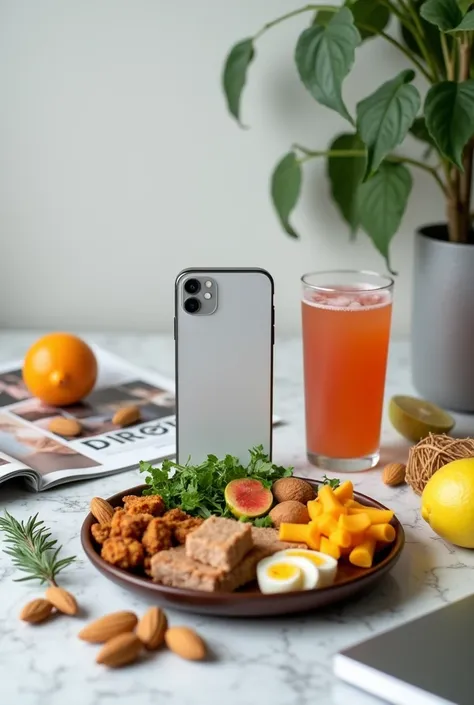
(415, 418)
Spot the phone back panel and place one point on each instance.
(224, 367)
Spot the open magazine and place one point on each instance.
(44, 459)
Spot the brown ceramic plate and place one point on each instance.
(251, 602)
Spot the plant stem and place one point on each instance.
(411, 21)
(420, 165)
(294, 13)
(448, 60)
(395, 158)
(400, 47)
(465, 178)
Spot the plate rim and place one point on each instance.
(213, 598)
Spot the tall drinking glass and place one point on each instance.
(346, 330)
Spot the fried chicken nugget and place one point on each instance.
(175, 516)
(184, 528)
(157, 537)
(129, 526)
(144, 505)
(100, 532)
(123, 553)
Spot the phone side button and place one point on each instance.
(273, 335)
(174, 328)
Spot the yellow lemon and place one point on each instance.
(447, 502)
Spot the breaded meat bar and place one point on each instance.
(219, 542)
(175, 569)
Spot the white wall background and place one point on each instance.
(119, 165)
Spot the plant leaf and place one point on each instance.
(466, 24)
(368, 13)
(285, 189)
(382, 203)
(464, 5)
(345, 175)
(431, 37)
(325, 55)
(445, 14)
(235, 74)
(448, 111)
(420, 131)
(384, 118)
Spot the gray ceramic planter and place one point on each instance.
(443, 320)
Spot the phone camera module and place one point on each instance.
(192, 286)
(192, 305)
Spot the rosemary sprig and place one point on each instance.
(32, 550)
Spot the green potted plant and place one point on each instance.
(371, 181)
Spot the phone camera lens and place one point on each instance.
(192, 286)
(192, 305)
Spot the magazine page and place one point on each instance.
(11, 468)
(102, 447)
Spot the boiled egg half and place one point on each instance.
(282, 573)
(326, 565)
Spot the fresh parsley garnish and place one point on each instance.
(199, 489)
(333, 483)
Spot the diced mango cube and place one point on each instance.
(330, 502)
(326, 524)
(381, 532)
(315, 508)
(345, 491)
(329, 548)
(350, 503)
(363, 554)
(341, 538)
(355, 523)
(300, 533)
(376, 516)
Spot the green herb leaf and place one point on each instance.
(235, 74)
(345, 175)
(285, 189)
(448, 111)
(445, 14)
(333, 483)
(32, 550)
(263, 522)
(384, 118)
(324, 56)
(466, 24)
(382, 203)
(464, 5)
(199, 489)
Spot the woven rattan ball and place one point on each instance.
(431, 453)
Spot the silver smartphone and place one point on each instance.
(224, 332)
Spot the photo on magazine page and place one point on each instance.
(12, 388)
(96, 412)
(36, 450)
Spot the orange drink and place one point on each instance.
(346, 330)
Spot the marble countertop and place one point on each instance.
(286, 661)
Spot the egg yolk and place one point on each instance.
(302, 554)
(282, 571)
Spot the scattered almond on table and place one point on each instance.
(394, 474)
(62, 600)
(124, 637)
(36, 611)
(126, 416)
(65, 427)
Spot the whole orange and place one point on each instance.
(60, 369)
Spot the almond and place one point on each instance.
(108, 627)
(62, 600)
(185, 643)
(65, 427)
(101, 510)
(36, 611)
(120, 650)
(394, 474)
(126, 416)
(151, 628)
